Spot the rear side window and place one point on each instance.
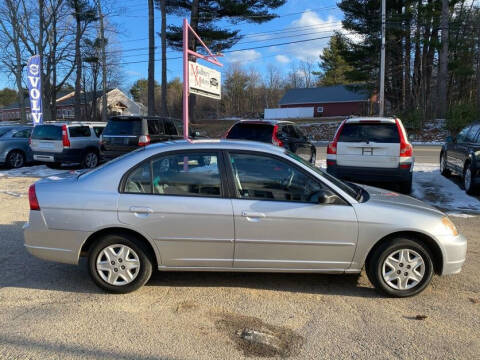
(79, 131)
(462, 136)
(155, 127)
(124, 127)
(170, 128)
(47, 132)
(254, 132)
(380, 133)
(140, 180)
(98, 130)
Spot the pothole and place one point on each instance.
(256, 338)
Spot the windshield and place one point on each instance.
(351, 189)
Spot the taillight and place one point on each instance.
(406, 149)
(65, 139)
(143, 140)
(275, 140)
(332, 146)
(32, 198)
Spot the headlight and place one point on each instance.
(449, 225)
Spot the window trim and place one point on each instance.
(233, 189)
(224, 193)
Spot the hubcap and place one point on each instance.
(16, 160)
(442, 163)
(118, 264)
(91, 160)
(403, 269)
(468, 178)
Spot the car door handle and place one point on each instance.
(140, 210)
(249, 214)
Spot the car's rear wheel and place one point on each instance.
(90, 160)
(406, 186)
(468, 180)
(443, 166)
(400, 268)
(119, 264)
(15, 159)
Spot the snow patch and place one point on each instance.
(39, 171)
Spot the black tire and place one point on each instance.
(375, 265)
(406, 186)
(144, 257)
(15, 159)
(469, 186)
(90, 159)
(443, 169)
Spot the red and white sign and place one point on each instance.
(204, 81)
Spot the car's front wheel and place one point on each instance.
(15, 159)
(443, 165)
(400, 268)
(468, 180)
(119, 264)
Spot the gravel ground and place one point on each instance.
(53, 311)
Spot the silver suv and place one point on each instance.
(69, 143)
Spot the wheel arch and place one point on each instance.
(418, 237)
(87, 245)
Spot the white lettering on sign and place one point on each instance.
(204, 81)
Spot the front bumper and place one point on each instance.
(454, 253)
(53, 245)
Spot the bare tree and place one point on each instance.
(443, 59)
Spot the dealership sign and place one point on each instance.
(204, 81)
(35, 89)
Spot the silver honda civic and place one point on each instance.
(235, 206)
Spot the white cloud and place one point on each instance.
(243, 57)
(314, 27)
(282, 59)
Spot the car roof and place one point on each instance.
(74, 123)
(379, 119)
(268, 121)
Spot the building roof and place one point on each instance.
(324, 94)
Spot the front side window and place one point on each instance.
(23, 134)
(462, 135)
(265, 178)
(472, 133)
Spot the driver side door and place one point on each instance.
(279, 223)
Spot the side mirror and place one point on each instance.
(325, 197)
(449, 139)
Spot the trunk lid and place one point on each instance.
(47, 138)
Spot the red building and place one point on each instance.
(339, 100)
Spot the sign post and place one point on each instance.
(35, 89)
(198, 79)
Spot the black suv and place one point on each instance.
(461, 156)
(126, 133)
(276, 132)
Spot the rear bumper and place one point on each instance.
(373, 174)
(455, 251)
(66, 156)
(53, 245)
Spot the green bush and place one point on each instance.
(412, 120)
(459, 116)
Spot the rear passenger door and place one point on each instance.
(179, 200)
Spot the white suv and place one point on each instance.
(372, 149)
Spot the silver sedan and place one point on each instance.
(235, 206)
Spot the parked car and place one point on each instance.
(280, 133)
(68, 143)
(126, 133)
(235, 206)
(372, 149)
(461, 155)
(14, 149)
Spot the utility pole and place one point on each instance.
(382, 64)
(104, 63)
(151, 60)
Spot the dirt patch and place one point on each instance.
(256, 338)
(185, 306)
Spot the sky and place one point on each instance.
(298, 20)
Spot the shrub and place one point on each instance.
(459, 116)
(412, 120)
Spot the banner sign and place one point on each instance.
(204, 81)
(35, 89)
